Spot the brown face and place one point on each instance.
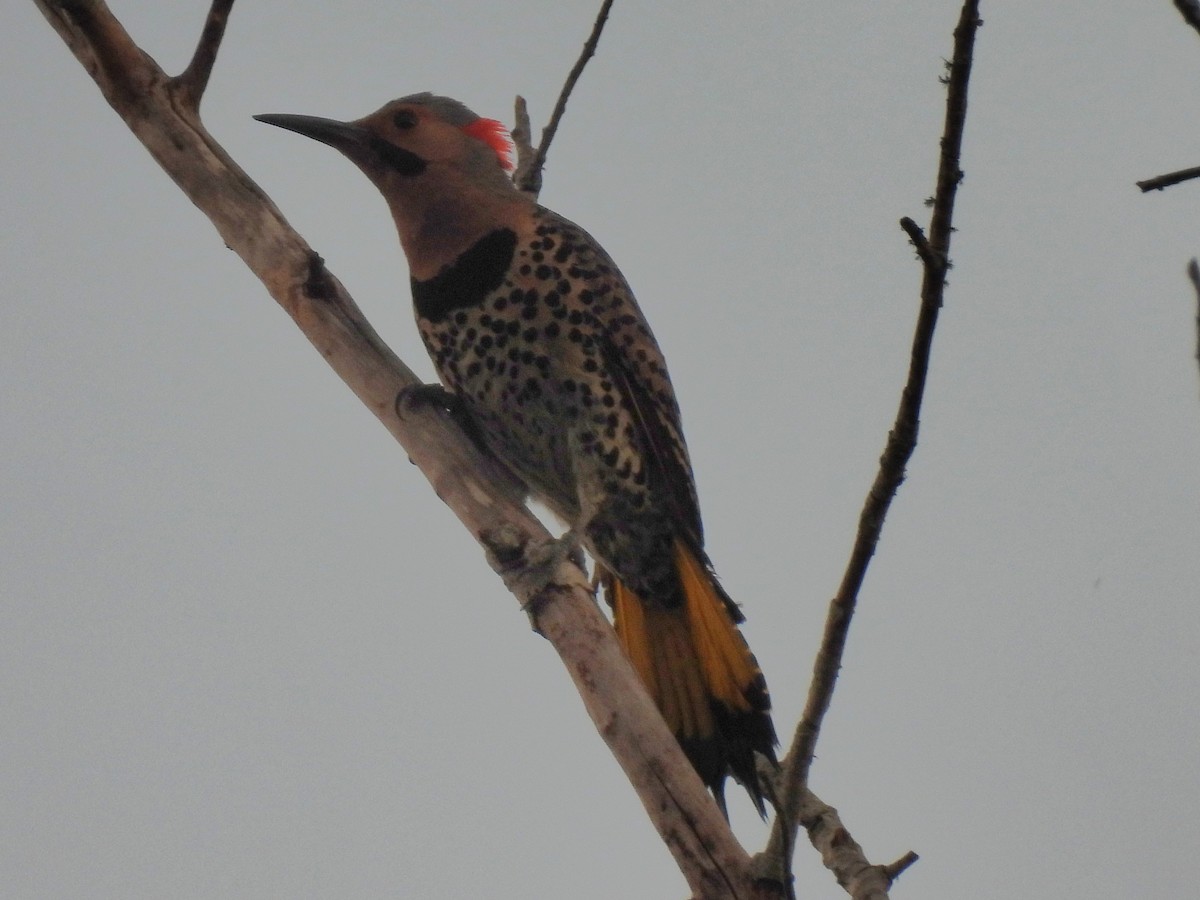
(402, 138)
(442, 131)
(413, 129)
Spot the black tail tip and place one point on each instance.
(742, 741)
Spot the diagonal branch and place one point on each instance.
(553, 590)
(902, 440)
(530, 164)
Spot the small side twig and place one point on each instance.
(894, 870)
(192, 81)
(1164, 181)
(529, 178)
(842, 855)
(920, 242)
(522, 135)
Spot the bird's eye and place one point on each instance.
(405, 119)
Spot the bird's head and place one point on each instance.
(407, 137)
(443, 170)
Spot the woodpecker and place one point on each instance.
(538, 338)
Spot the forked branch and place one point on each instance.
(530, 161)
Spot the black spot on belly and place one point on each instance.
(474, 275)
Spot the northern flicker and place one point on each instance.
(534, 331)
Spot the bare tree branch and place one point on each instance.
(902, 440)
(553, 590)
(529, 177)
(1190, 10)
(1159, 182)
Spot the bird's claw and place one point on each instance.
(547, 557)
(542, 563)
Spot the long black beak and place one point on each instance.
(372, 154)
(342, 135)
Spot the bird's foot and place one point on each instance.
(570, 545)
(543, 561)
(541, 567)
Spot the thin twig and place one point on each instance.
(1193, 270)
(1190, 10)
(934, 253)
(1163, 181)
(192, 82)
(530, 180)
(903, 438)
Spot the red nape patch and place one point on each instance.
(495, 135)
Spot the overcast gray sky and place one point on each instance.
(244, 650)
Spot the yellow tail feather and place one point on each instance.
(729, 666)
(659, 644)
(687, 657)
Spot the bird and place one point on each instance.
(539, 344)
